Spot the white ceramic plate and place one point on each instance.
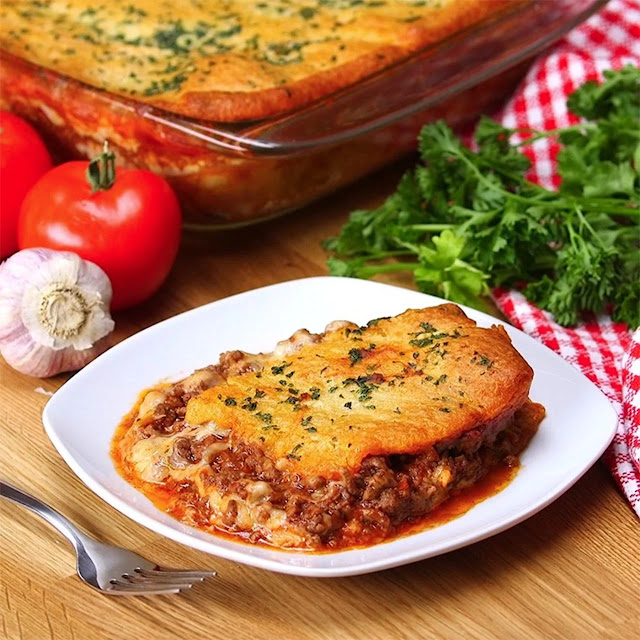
(81, 417)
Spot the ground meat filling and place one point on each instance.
(168, 415)
(386, 492)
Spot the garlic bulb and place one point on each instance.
(54, 311)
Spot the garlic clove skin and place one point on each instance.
(41, 362)
(54, 311)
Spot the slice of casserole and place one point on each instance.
(335, 439)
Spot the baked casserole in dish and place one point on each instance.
(228, 61)
(192, 90)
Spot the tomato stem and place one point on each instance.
(101, 172)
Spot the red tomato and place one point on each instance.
(130, 229)
(23, 159)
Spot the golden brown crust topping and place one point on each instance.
(397, 385)
(228, 61)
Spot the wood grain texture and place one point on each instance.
(571, 571)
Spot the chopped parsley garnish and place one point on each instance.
(374, 322)
(365, 387)
(481, 361)
(165, 85)
(355, 355)
(294, 452)
(421, 342)
(441, 379)
(279, 370)
(230, 402)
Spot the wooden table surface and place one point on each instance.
(571, 571)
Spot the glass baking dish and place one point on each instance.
(230, 174)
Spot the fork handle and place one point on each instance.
(55, 519)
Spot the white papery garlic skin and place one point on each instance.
(54, 311)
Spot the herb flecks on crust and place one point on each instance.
(237, 60)
(388, 394)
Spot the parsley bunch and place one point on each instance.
(464, 219)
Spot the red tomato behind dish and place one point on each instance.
(131, 229)
(23, 159)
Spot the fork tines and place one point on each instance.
(158, 581)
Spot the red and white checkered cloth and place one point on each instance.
(604, 351)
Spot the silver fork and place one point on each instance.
(104, 567)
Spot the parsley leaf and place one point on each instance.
(465, 218)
